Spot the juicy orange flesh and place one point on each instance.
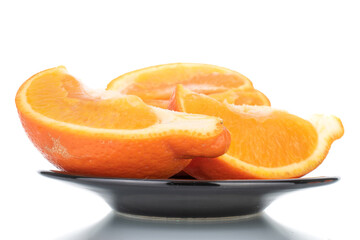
(61, 97)
(268, 139)
(241, 97)
(160, 84)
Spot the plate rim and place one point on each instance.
(304, 180)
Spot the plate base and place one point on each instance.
(188, 219)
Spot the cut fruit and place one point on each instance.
(109, 134)
(154, 85)
(266, 143)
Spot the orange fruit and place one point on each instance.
(266, 143)
(154, 85)
(113, 135)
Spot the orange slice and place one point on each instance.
(108, 134)
(154, 85)
(266, 143)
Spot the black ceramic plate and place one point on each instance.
(189, 198)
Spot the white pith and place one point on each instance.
(252, 111)
(169, 122)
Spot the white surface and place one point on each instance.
(304, 55)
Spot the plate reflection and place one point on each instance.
(115, 226)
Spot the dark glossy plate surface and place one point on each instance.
(189, 198)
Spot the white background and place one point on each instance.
(304, 55)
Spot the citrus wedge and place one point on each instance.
(154, 85)
(113, 135)
(266, 143)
